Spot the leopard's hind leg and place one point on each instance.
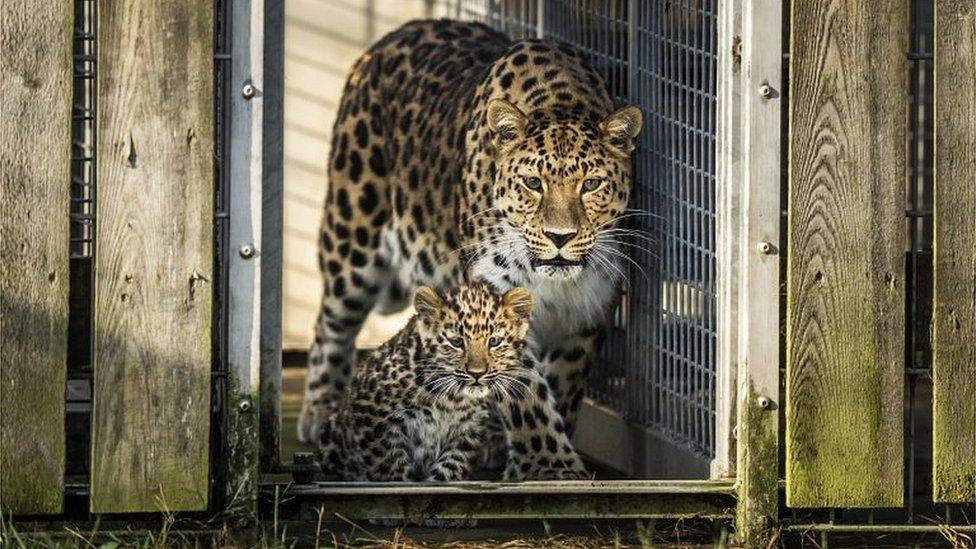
(354, 276)
(355, 261)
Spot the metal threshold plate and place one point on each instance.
(510, 500)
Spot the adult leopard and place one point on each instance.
(457, 155)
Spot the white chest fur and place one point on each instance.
(561, 306)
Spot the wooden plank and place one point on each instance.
(758, 285)
(35, 152)
(845, 304)
(151, 422)
(954, 316)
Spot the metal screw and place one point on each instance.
(247, 251)
(245, 405)
(765, 247)
(248, 91)
(764, 402)
(765, 91)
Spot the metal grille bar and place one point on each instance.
(81, 248)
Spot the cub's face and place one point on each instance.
(473, 336)
(560, 185)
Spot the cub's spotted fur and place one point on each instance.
(418, 409)
(458, 155)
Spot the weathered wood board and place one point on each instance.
(954, 315)
(845, 305)
(154, 264)
(35, 167)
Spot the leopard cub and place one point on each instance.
(419, 408)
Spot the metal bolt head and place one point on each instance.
(246, 251)
(765, 91)
(245, 406)
(248, 91)
(765, 247)
(764, 402)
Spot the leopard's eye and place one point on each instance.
(456, 342)
(494, 342)
(532, 183)
(592, 184)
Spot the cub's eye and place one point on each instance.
(456, 342)
(494, 342)
(592, 184)
(532, 183)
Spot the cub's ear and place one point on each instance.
(519, 301)
(426, 301)
(620, 128)
(506, 122)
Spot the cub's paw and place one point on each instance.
(494, 455)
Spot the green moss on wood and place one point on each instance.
(243, 474)
(759, 473)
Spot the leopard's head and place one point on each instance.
(472, 337)
(560, 183)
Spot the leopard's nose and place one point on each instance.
(476, 368)
(559, 238)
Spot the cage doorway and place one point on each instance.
(653, 402)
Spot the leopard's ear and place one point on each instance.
(506, 122)
(426, 301)
(519, 301)
(621, 127)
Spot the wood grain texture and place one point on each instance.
(35, 117)
(154, 263)
(954, 314)
(845, 304)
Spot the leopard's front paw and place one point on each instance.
(571, 473)
(535, 471)
(310, 423)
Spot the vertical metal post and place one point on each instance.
(271, 235)
(247, 91)
(728, 230)
(759, 274)
(540, 18)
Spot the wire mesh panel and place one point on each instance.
(658, 367)
(672, 332)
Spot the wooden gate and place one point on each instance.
(846, 240)
(154, 259)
